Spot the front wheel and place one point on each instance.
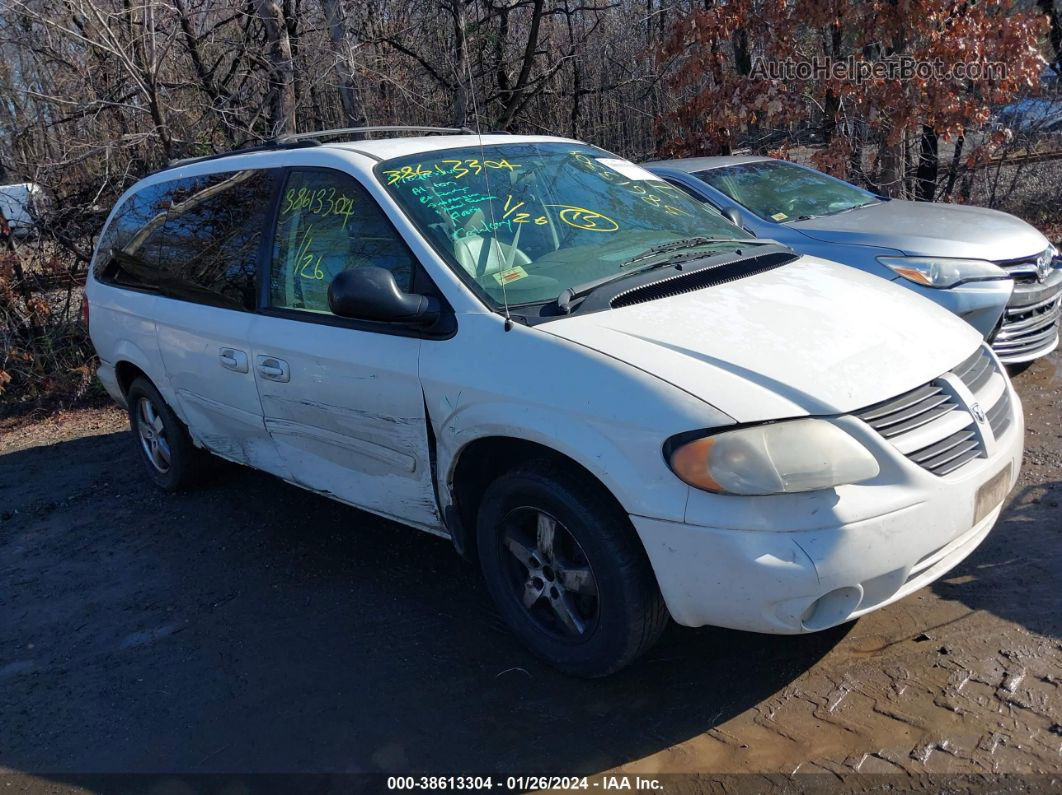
(566, 569)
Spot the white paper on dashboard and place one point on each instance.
(628, 169)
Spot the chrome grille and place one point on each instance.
(932, 427)
(908, 411)
(1027, 330)
(976, 370)
(1022, 269)
(999, 416)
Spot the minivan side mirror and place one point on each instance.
(371, 293)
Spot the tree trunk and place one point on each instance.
(460, 117)
(353, 110)
(892, 156)
(743, 66)
(832, 103)
(928, 165)
(953, 169)
(281, 67)
(516, 93)
(1055, 33)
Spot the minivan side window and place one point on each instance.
(195, 238)
(328, 223)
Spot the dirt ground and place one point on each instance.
(250, 626)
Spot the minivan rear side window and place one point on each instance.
(195, 238)
(328, 223)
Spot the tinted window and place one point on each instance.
(195, 238)
(328, 223)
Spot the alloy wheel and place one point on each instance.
(549, 574)
(152, 432)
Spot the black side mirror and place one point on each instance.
(733, 216)
(371, 293)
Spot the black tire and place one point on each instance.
(1014, 370)
(584, 631)
(184, 462)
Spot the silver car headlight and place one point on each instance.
(775, 458)
(943, 271)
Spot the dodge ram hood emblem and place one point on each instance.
(978, 412)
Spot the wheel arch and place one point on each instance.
(125, 372)
(478, 463)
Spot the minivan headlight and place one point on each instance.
(775, 458)
(943, 271)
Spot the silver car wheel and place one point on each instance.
(549, 574)
(152, 432)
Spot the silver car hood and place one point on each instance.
(929, 229)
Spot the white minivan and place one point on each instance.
(625, 408)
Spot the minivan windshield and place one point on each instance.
(526, 221)
(779, 191)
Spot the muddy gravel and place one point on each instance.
(250, 626)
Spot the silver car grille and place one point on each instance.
(1022, 269)
(1028, 329)
(934, 428)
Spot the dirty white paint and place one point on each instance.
(220, 406)
(528, 384)
(350, 420)
(813, 337)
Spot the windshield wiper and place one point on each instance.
(839, 212)
(691, 242)
(569, 294)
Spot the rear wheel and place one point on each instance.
(566, 570)
(171, 458)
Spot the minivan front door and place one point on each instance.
(341, 400)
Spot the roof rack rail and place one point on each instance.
(347, 130)
(299, 140)
(266, 147)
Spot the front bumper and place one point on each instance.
(828, 556)
(1029, 328)
(981, 304)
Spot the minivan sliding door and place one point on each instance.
(198, 249)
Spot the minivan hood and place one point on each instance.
(811, 337)
(929, 229)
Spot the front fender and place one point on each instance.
(604, 414)
(646, 487)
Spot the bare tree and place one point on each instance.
(353, 110)
(282, 68)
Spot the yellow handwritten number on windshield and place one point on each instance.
(581, 218)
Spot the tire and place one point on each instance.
(1014, 370)
(551, 537)
(170, 457)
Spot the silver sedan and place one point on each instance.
(990, 268)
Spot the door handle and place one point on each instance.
(232, 359)
(272, 368)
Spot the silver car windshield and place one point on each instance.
(779, 191)
(524, 222)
